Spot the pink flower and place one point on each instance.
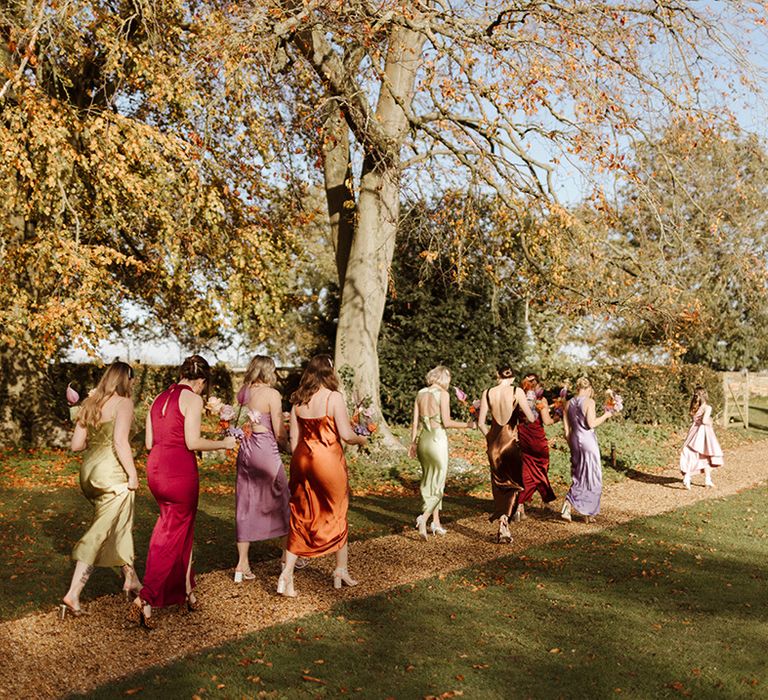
(226, 412)
(72, 396)
(368, 412)
(254, 416)
(244, 395)
(460, 395)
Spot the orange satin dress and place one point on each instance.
(506, 463)
(319, 490)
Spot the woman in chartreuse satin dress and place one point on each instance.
(318, 481)
(108, 480)
(432, 413)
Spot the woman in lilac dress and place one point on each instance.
(261, 492)
(580, 420)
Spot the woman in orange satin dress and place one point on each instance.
(318, 480)
(507, 406)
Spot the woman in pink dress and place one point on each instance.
(261, 492)
(701, 450)
(173, 437)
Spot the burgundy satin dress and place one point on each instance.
(535, 450)
(174, 482)
(319, 489)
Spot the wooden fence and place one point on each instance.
(739, 388)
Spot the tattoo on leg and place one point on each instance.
(86, 574)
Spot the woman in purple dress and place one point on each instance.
(261, 492)
(580, 420)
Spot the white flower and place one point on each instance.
(214, 404)
(254, 416)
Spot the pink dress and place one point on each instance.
(173, 480)
(701, 448)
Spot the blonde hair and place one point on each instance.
(115, 381)
(583, 383)
(261, 370)
(439, 375)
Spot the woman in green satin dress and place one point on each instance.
(432, 413)
(108, 480)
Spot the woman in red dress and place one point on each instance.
(318, 481)
(534, 448)
(173, 437)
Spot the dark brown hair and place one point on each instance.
(116, 381)
(196, 367)
(699, 397)
(319, 373)
(505, 371)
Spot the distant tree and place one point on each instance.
(691, 238)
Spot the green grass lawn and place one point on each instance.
(43, 514)
(669, 606)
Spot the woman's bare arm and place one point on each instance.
(294, 429)
(522, 401)
(592, 420)
(341, 417)
(191, 407)
(121, 438)
(276, 413)
(79, 438)
(445, 413)
(414, 428)
(148, 436)
(482, 415)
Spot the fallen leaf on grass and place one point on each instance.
(133, 691)
(312, 679)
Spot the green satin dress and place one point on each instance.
(109, 540)
(432, 451)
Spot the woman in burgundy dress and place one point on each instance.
(534, 448)
(173, 437)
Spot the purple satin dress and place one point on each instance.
(586, 469)
(261, 492)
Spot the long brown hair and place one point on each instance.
(319, 373)
(115, 381)
(699, 397)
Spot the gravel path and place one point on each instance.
(43, 657)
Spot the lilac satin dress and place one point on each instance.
(261, 491)
(586, 469)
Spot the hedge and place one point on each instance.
(653, 394)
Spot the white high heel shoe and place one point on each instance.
(341, 576)
(421, 526)
(438, 529)
(565, 513)
(687, 481)
(241, 576)
(285, 586)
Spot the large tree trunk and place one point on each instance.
(365, 282)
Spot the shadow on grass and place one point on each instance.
(660, 607)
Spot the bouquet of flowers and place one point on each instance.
(558, 403)
(361, 419)
(473, 408)
(226, 415)
(72, 398)
(613, 402)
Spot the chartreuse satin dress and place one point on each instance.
(432, 451)
(109, 540)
